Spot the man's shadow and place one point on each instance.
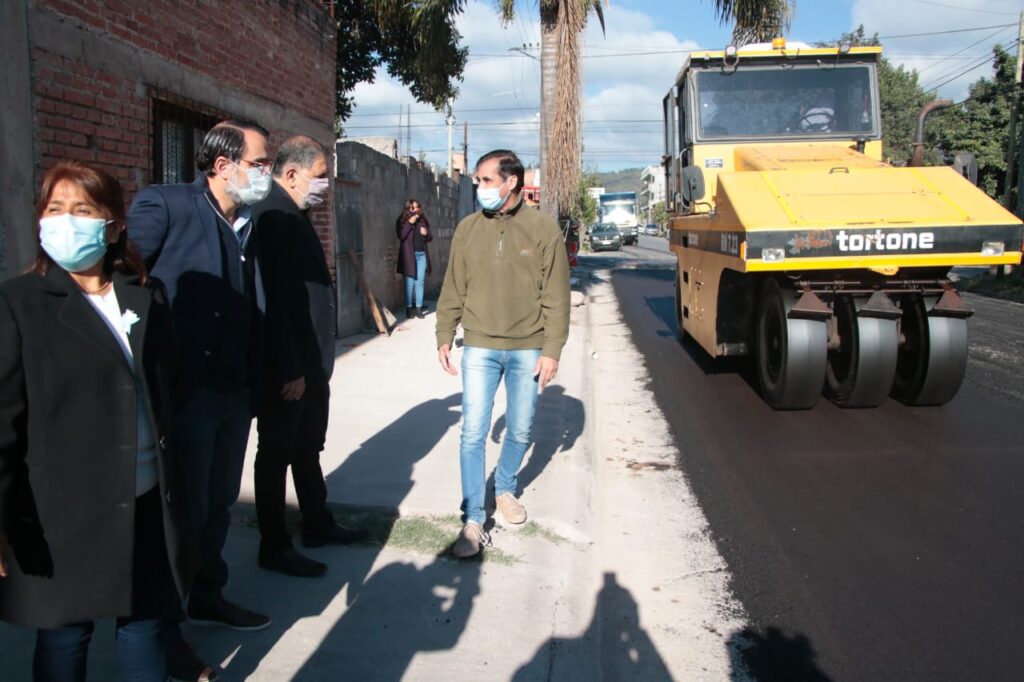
(384, 462)
(557, 423)
(401, 611)
(770, 654)
(613, 647)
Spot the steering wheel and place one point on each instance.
(823, 120)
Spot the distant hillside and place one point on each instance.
(625, 180)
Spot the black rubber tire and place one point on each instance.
(679, 307)
(861, 371)
(790, 354)
(933, 358)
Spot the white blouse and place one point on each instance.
(147, 473)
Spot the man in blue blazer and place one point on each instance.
(194, 238)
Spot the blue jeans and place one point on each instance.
(61, 653)
(482, 370)
(414, 285)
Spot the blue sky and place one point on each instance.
(629, 69)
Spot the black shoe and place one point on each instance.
(222, 612)
(421, 313)
(333, 534)
(286, 560)
(184, 665)
(410, 313)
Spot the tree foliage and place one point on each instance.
(756, 21)
(585, 206)
(417, 43)
(901, 98)
(981, 124)
(659, 215)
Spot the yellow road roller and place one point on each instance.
(797, 245)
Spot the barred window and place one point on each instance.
(178, 129)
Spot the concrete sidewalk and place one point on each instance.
(401, 607)
(393, 436)
(614, 577)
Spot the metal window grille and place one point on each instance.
(179, 126)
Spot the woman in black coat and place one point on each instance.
(90, 524)
(413, 258)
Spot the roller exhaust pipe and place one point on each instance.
(917, 159)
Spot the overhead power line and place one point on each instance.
(966, 71)
(964, 9)
(988, 37)
(513, 123)
(943, 33)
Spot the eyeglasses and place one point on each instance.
(264, 167)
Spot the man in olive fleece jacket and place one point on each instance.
(508, 284)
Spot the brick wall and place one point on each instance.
(97, 64)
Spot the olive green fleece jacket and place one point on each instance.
(507, 283)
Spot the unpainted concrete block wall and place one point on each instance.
(371, 191)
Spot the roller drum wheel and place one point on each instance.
(933, 358)
(791, 354)
(861, 371)
(679, 307)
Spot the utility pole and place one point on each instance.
(398, 137)
(526, 51)
(450, 120)
(465, 146)
(1011, 142)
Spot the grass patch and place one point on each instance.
(534, 529)
(427, 535)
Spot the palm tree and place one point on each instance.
(756, 21)
(562, 23)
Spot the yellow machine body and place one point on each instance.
(811, 207)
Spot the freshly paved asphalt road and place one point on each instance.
(881, 544)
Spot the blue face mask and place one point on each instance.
(490, 197)
(73, 242)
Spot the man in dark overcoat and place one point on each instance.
(299, 333)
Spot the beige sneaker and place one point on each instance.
(510, 509)
(471, 540)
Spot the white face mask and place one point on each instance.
(316, 193)
(254, 192)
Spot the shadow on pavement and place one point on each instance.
(353, 341)
(772, 655)
(613, 647)
(664, 309)
(557, 423)
(401, 611)
(385, 464)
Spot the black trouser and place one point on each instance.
(291, 433)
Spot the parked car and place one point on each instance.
(605, 237)
(651, 229)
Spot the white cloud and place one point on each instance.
(935, 56)
(623, 89)
(618, 88)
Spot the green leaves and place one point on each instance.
(981, 124)
(416, 41)
(756, 21)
